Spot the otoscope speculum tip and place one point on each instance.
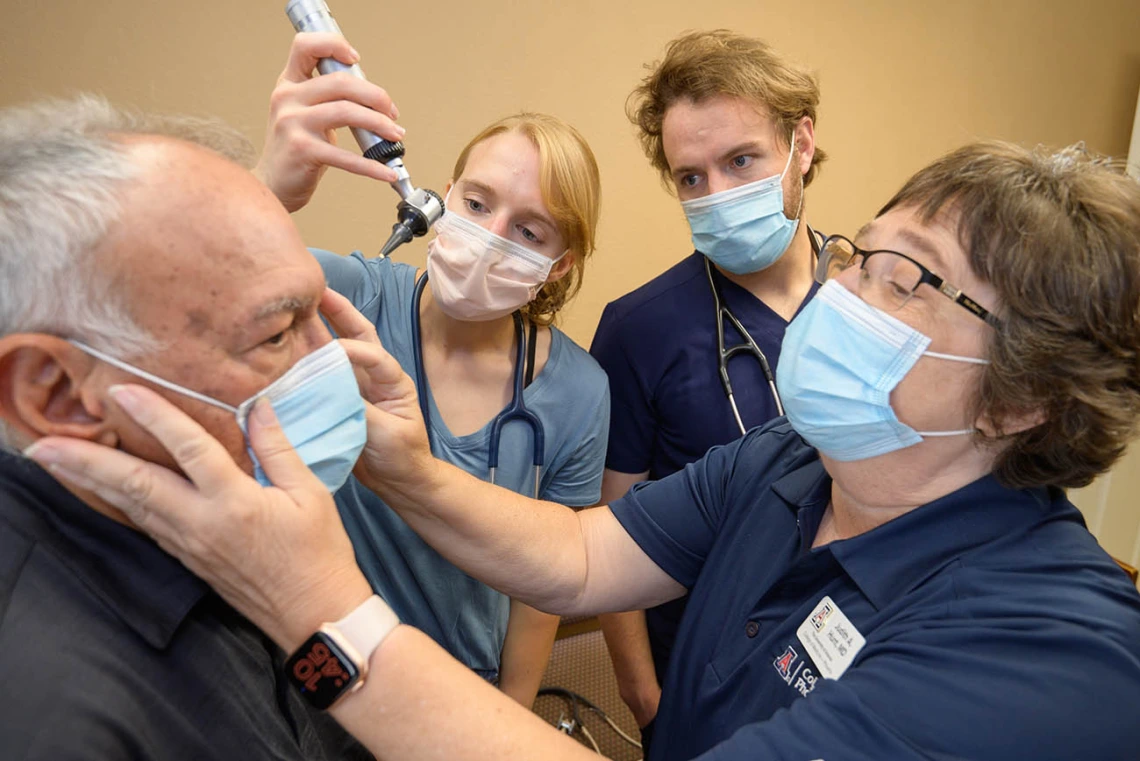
(401, 234)
(416, 214)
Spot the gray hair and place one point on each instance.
(63, 164)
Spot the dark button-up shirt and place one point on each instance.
(995, 627)
(110, 648)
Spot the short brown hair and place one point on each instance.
(1058, 236)
(702, 65)
(571, 189)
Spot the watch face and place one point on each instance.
(321, 670)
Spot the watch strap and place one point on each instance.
(367, 626)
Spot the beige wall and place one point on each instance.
(903, 81)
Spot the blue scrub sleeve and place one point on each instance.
(676, 520)
(578, 480)
(942, 691)
(633, 424)
(352, 278)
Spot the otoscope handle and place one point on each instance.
(419, 208)
(315, 16)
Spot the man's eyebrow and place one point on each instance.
(750, 146)
(289, 304)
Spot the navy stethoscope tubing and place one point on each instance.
(748, 347)
(516, 410)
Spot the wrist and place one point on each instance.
(260, 171)
(417, 489)
(643, 700)
(334, 597)
(334, 661)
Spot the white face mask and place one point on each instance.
(476, 275)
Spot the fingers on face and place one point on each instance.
(151, 496)
(278, 459)
(204, 461)
(346, 319)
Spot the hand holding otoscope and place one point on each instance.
(305, 111)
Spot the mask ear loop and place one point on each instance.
(791, 155)
(952, 358)
(148, 376)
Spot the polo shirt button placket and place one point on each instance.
(751, 629)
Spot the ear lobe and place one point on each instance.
(41, 393)
(1012, 424)
(561, 267)
(805, 143)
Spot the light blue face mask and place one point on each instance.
(317, 402)
(839, 362)
(744, 229)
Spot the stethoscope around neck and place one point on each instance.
(749, 346)
(516, 410)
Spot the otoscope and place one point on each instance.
(419, 208)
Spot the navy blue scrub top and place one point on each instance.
(658, 346)
(995, 625)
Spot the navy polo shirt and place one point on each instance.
(658, 346)
(995, 626)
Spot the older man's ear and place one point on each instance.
(44, 391)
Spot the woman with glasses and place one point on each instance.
(894, 276)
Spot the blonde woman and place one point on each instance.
(522, 208)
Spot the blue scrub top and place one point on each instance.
(658, 346)
(571, 398)
(996, 627)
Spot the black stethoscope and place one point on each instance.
(748, 347)
(516, 410)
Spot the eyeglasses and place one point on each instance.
(893, 277)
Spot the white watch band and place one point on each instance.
(367, 626)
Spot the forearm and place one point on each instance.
(627, 639)
(531, 550)
(419, 703)
(526, 651)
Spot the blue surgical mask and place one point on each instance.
(839, 362)
(317, 402)
(744, 229)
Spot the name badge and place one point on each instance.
(830, 639)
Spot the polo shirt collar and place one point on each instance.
(149, 590)
(892, 559)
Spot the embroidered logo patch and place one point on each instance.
(784, 663)
(795, 671)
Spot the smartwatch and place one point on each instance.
(334, 661)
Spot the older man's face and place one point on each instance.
(214, 268)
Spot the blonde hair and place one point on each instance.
(701, 65)
(571, 190)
